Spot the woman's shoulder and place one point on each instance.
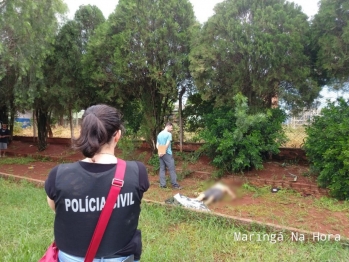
(135, 164)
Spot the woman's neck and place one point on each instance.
(103, 157)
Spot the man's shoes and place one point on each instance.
(163, 186)
(176, 186)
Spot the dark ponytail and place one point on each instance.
(99, 124)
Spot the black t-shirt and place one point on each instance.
(95, 168)
(4, 132)
(79, 191)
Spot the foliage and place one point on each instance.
(27, 30)
(154, 162)
(128, 145)
(88, 18)
(236, 140)
(191, 157)
(61, 88)
(327, 147)
(256, 48)
(141, 54)
(132, 113)
(186, 158)
(330, 28)
(67, 85)
(194, 110)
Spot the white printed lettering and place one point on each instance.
(86, 203)
(75, 205)
(67, 204)
(97, 204)
(123, 200)
(295, 236)
(92, 208)
(102, 203)
(131, 200)
(80, 206)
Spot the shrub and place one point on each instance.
(327, 148)
(236, 140)
(128, 145)
(154, 162)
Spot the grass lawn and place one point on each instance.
(169, 234)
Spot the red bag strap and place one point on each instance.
(116, 185)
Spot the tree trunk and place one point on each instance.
(49, 129)
(12, 121)
(34, 127)
(61, 120)
(76, 120)
(41, 118)
(3, 114)
(71, 125)
(180, 98)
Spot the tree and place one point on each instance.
(142, 54)
(27, 30)
(257, 48)
(331, 41)
(88, 18)
(70, 46)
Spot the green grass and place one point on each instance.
(16, 160)
(169, 234)
(332, 204)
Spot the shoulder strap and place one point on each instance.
(116, 185)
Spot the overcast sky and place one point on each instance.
(203, 8)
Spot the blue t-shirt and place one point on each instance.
(163, 137)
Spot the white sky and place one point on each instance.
(203, 9)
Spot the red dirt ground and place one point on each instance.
(287, 209)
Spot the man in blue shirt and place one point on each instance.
(166, 159)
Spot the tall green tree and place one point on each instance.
(70, 46)
(330, 28)
(141, 54)
(256, 48)
(88, 18)
(27, 30)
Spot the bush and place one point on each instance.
(128, 145)
(327, 148)
(236, 140)
(154, 162)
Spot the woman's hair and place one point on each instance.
(100, 123)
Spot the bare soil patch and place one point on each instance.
(304, 209)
